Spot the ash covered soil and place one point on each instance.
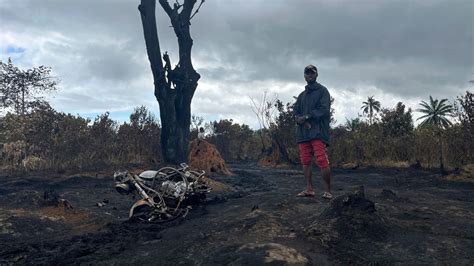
(400, 216)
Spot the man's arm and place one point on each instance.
(324, 108)
(299, 118)
(296, 107)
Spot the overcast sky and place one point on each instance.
(402, 50)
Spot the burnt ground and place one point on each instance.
(404, 217)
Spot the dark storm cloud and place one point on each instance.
(410, 42)
(409, 49)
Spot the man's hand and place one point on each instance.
(300, 119)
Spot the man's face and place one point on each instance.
(310, 76)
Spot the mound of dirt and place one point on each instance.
(349, 218)
(466, 173)
(205, 156)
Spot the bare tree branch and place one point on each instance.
(147, 8)
(166, 6)
(197, 10)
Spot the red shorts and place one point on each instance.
(308, 149)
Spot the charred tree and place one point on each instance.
(174, 87)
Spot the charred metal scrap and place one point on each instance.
(166, 194)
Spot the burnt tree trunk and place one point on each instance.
(174, 87)
(441, 157)
(280, 146)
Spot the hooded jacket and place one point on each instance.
(315, 103)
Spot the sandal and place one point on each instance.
(327, 195)
(305, 193)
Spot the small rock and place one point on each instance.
(388, 194)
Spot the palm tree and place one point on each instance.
(435, 114)
(370, 106)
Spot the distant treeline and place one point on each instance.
(34, 136)
(47, 139)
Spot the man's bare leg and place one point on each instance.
(307, 176)
(326, 174)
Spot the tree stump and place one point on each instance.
(205, 156)
(276, 157)
(349, 218)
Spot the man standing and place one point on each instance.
(312, 114)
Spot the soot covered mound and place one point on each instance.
(348, 218)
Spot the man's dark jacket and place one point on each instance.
(315, 102)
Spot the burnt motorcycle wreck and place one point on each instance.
(166, 194)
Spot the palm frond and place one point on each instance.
(426, 105)
(445, 109)
(435, 104)
(424, 123)
(424, 116)
(445, 122)
(423, 111)
(441, 103)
